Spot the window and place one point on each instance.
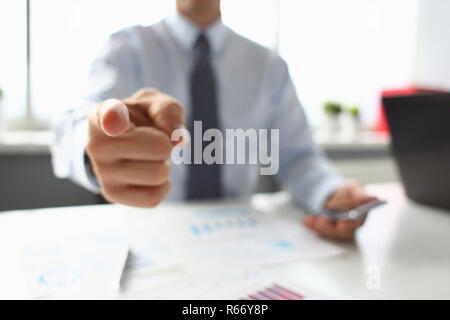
(345, 50)
(254, 19)
(13, 63)
(64, 43)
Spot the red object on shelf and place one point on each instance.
(382, 125)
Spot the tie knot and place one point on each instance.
(201, 46)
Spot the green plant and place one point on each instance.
(1, 93)
(332, 108)
(353, 110)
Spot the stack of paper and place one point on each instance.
(216, 243)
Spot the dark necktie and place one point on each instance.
(203, 179)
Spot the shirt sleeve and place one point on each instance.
(303, 168)
(112, 75)
(68, 148)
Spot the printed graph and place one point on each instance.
(205, 227)
(274, 292)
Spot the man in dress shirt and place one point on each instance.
(119, 142)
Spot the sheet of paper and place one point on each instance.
(249, 283)
(215, 284)
(151, 248)
(80, 265)
(275, 290)
(218, 236)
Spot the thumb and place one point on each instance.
(358, 196)
(168, 115)
(113, 117)
(165, 113)
(171, 120)
(362, 199)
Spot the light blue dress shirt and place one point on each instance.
(254, 91)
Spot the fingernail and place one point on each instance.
(118, 117)
(119, 109)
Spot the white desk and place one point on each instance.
(407, 243)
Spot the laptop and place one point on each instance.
(420, 130)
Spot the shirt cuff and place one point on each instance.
(323, 191)
(81, 170)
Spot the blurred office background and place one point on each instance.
(345, 51)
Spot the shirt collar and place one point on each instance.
(187, 32)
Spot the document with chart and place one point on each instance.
(88, 265)
(236, 233)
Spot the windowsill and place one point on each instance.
(38, 142)
(25, 142)
(364, 140)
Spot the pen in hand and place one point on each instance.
(353, 214)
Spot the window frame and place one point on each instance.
(29, 122)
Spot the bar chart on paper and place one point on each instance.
(239, 233)
(274, 292)
(279, 291)
(207, 222)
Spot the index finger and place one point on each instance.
(165, 112)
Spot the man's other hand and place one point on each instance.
(346, 197)
(129, 146)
